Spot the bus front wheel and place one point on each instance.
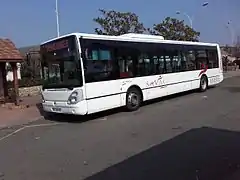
(203, 83)
(133, 99)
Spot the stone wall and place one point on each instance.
(30, 91)
(27, 91)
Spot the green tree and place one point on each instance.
(174, 29)
(118, 23)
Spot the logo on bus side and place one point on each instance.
(204, 69)
(157, 82)
(126, 82)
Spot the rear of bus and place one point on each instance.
(214, 70)
(220, 59)
(62, 90)
(220, 63)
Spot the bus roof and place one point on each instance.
(158, 39)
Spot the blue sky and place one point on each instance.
(29, 22)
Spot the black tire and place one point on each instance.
(48, 115)
(133, 99)
(203, 84)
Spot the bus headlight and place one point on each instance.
(75, 97)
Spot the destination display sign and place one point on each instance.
(56, 45)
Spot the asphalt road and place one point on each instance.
(192, 136)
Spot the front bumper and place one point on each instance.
(63, 108)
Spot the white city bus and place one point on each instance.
(88, 73)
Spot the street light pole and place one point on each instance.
(57, 18)
(189, 18)
(229, 26)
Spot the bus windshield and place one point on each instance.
(61, 64)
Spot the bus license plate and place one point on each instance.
(56, 109)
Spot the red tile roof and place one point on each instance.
(8, 51)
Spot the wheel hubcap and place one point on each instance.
(203, 84)
(133, 99)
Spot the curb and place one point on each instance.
(22, 124)
(230, 76)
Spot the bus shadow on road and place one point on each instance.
(199, 154)
(78, 118)
(170, 97)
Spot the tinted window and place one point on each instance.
(144, 65)
(99, 61)
(126, 55)
(158, 64)
(109, 60)
(173, 60)
(201, 59)
(212, 58)
(189, 60)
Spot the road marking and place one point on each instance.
(8, 135)
(27, 126)
(41, 125)
(204, 97)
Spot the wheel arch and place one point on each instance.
(204, 75)
(138, 88)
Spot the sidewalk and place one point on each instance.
(229, 74)
(28, 111)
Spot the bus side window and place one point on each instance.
(190, 58)
(144, 65)
(158, 64)
(125, 66)
(99, 65)
(213, 59)
(168, 62)
(201, 59)
(124, 57)
(184, 62)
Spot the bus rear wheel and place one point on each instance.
(133, 99)
(203, 83)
